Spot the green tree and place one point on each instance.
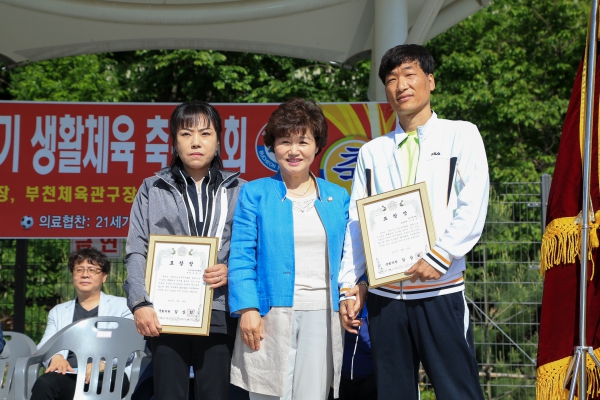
(180, 75)
(510, 69)
(4, 79)
(90, 77)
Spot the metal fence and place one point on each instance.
(503, 289)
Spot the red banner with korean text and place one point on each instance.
(71, 170)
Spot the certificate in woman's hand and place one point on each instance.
(174, 277)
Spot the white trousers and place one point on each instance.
(310, 364)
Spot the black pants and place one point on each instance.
(55, 386)
(437, 332)
(210, 356)
(145, 391)
(357, 389)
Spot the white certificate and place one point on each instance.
(397, 231)
(174, 277)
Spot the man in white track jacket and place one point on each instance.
(424, 319)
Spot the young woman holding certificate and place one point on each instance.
(286, 247)
(193, 196)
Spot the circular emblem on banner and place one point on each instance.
(338, 162)
(266, 157)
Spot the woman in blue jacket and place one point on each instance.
(286, 247)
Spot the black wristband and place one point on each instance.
(142, 305)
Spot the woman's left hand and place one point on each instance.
(216, 276)
(349, 309)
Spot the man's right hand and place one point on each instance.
(59, 364)
(251, 328)
(146, 321)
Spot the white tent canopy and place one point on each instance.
(342, 31)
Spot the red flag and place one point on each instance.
(559, 325)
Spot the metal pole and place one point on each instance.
(545, 193)
(589, 124)
(20, 286)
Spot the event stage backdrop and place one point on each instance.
(71, 170)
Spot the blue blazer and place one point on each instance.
(261, 262)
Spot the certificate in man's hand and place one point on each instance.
(174, 279)
(397, 230)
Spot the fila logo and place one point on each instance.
(435, 153)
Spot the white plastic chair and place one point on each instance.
(17, 345)
(99, 339)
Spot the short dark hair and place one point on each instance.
(189, 115)
(91, 255)
(296, 116)
(406, 53)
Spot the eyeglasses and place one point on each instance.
(91, 271)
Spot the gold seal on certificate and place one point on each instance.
(397, 230)
(174, 279)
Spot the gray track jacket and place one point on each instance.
(159, 208)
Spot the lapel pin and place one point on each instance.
(330, 198)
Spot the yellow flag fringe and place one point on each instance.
(551, 379)
(561, 243)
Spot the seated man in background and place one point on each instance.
(89, 269)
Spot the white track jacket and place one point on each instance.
(453, 164)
